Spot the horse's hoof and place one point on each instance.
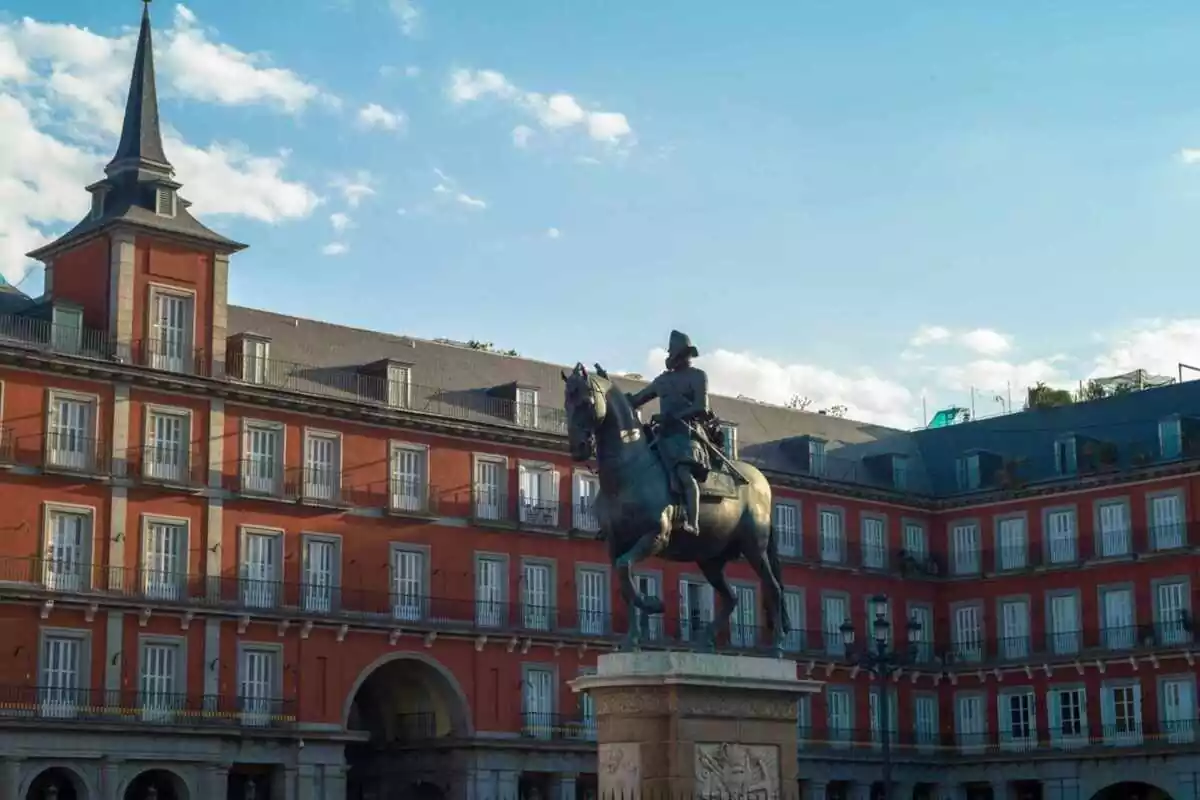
(653, 605)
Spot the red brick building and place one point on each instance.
(251, 555)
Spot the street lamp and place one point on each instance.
(882, 660)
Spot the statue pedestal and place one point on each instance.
(680, 724)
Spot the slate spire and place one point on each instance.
(141, 139)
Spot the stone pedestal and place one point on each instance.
(695, 724)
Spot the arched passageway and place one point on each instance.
(156, 784)
(57, 783)
(1131, 790)
(403, 701)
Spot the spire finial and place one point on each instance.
(141, 140)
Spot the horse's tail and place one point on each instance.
(777, 569)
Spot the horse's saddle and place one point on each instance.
(719, 484)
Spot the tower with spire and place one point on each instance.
(139, 241)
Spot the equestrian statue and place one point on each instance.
(668, 490)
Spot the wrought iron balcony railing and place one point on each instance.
(131, 707)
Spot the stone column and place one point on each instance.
(288, 777)
(10, 779)
(335, 782)
(306, 782)
(678, 724)
(110, 780)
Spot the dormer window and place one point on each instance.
(525, 409)
(729, 445)
(66, 324)
(899, 472)
(1066, 461)
(816, 457)
(164, 201)
(1170, 437)
(399, 380)
(968, 472)
(256, 355)
(97, 204)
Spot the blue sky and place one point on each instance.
(803, 185)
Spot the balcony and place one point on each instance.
(1094, 642)
(34, 704)
(489, 507)
(557, 727)
(413, 497)
(181, 466)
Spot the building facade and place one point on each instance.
(247, 555)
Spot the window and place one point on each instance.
(98, 204)
(164, 559)
(171, 330)
(793, 604)
(833, 540)
(916, 543)
(537, 586)
(1068, 716)
(67, 550)
(63, 662)
(925, 720)
(537, 703)
(256, 356)
(743, 630)
(262, 464)
(786, 519)
(409, 482)
(409, 597)
(1114, 529)
(874, 545)
(525, 412)
(1172, 612)
(729, 444)
(1166, 521)
(1121, 713)
(1065, 462)
(965, 540)
(258, 684)
(651, 625)
(1014, 629)
(161, 687)
(320, 574)
(70, 442)
(167, 439)
(1170, 437)
(1178, 708)
(491, 575)
(968, 473)
(816, 457)
(322, 467)
(262, 570)
(587, 708)
(164, 201)
(490, 478)
(840, 713)
(695, 609)
(968, 633)
(923, 616)
(1018, 720)
(1064, 624)
(586, 491)
(833, 614)
(1060, 533)
(804, 722)
(399, 385)
(1120, 632)
(1013, 543)
(66, 335)
(539, 494)
(875, 712)
(899, 472)
(592, 595)
(970, 721)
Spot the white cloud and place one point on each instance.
(407, 14)
(471, 202)
(553, 233)
(374, 115)
(354, 188)
(339, 221)
(558, 111)
(521, 135)
(1190, 155)
(62, 92)
(928, 334)
(335, 249)
(412, 71)
(447, 187)
(1157, 346)
(986, 342)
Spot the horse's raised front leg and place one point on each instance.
(714, 573)
(645, 547)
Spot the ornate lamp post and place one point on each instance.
(881, 659)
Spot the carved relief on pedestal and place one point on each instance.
(630, 701)
(737, 770)
(620, 768)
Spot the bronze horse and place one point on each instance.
(638, 512)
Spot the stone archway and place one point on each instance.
(57, 783)
(407, 697)
(1132, 790)
(156, 784)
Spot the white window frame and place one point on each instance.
(168, 208)
(925, 721)
(1170, 438)
(695, 617)
(154, 468)
(539, 722)
(1066, 455)
(256, 359)
(874, 553)
(408, 605)
(832, 628)
(255, 591)
(65, 457)
(839, 714)
(159, 358)
(56, 697)
(399, 385)
(1025, 739)
(1012, 543)
(1064, 641)
(155, 703)
(583, 504)
(968, 473)
(491, 505)
(1171, 632)
(968, 644)
(317, 597)
(491, 611)
(1110, 719)
(252, 484)
(537, 612)
(831, 528)
(966, 544)
(1119, 631)
(973, 738)
(1073, 738)
(1015, 645)
(260, 711)
(816, 457)
(1061, 528)
(1171, 534)
(593, 612)
(66, 581)
(916, 532)
(922, 613)
(1177, 707)
(159, 583)
(1114, 528)
(743, 625)
(66, 336)
(525, 406)
(408, 494)
(785, 516)
(540, 511)
(650, 584)
(315, 485)
(794, 602)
